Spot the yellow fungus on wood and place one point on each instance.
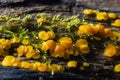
(72, 64)
(116, 23)
(87, 29)
(25, 64)
(8, 61)
(59, 51)
(43, 35)
(88, 11)
(25, 41)
(51, 34)
(42, 67)
(102, 16)
(117, 68)
(40, 20)
(80, 42)
(86, 64)
(110, 50)
(66, 42)
(15, 40)
(112, 15)
(84, 49)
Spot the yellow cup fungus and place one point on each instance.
(117, 68)
(72, 64)
(66, 42)
(84, 49)
(102, 16)
(110, 50)
(116, 23)
(112, 15)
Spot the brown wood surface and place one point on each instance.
(67, 8)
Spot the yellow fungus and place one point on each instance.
(87, 29)
(88, 11)
(26, 51)
(117, 68)
(56, 68)
(25, 64)
(8, 61)
(49, 44)
(112, 15)
(94, 30)
(60, 68)
(72, 64)
(101, 29)
(43, 35)
(116, 23)
(5, 43)
(31, 67)
(30, 54)
(36, 56)
(108, 32)
(82, 68)
(51, 34)
(110, 50)
(44, 46)
(17, 63)
(42, 67)
(36, 65)
(21, 50)
(86, 64)
(66, 42)
(58, 52)
(102, 16)
(114, 35)
(84, 49)
(80, 42)
(40, 20)
(1, 50)
(15, 40)
(25, 41)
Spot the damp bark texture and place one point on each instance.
(67, 8)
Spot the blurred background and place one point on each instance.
(17, 7)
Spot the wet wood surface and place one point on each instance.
(13, 7)
(67, 8)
